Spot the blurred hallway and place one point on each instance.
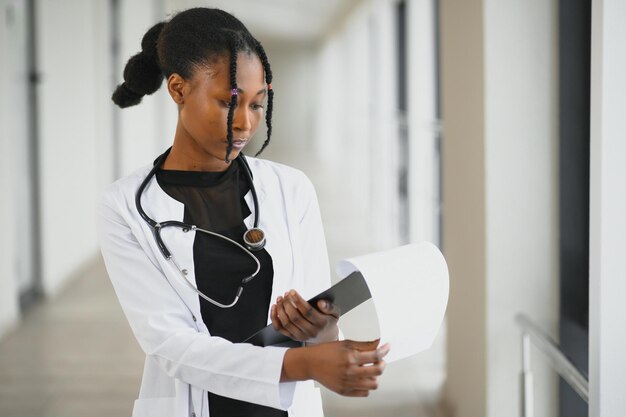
(76, 355)
(492, 128)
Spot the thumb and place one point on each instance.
(363, 346)
(328, 308)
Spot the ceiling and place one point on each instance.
(281, 20)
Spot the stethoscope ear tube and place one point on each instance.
(143, 186)
(257, 213)
(156, 227)
(156, 230)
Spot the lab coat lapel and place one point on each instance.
(273, 222)
(161, 207)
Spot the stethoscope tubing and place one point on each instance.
(158, 226)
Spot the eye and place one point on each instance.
(257, 107)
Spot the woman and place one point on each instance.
(184, 245)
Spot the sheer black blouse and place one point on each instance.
(214, 201)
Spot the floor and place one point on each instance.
(76, 356)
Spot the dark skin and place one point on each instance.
(203, 102)
(294, 317)
(346, 367)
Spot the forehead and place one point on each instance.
(216, 75)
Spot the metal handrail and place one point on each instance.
(557, 360)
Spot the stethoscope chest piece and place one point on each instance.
(254, 239)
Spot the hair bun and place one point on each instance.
(142, 76)
(150, 40)
(125, 97)
(142, 73)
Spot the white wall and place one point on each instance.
(423, 123)
(71, 37)
(356, 127)
(74, 139)
(12, 84)
(382, 124)
(147, 129)
(521, 155)
(76, 123)
(607, 270)
(500, 188)
(294, 98)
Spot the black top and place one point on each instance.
(214, 201)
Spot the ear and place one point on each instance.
(177, 87)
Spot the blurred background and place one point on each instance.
(493, 128)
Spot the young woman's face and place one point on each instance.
(203, 112)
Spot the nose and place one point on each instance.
(241, 120)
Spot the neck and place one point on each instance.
(187, 155)
(183, 160)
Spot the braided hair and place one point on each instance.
(192, 39)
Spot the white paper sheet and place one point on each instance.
(409, 287)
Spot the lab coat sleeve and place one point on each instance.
(165, 330)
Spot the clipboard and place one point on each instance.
(346, 294)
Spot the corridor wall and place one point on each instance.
(9, 80)
(74, 132)
(74, 84)
(500, 197)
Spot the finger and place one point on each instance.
(364, 384)
(287, 323)
(372, 356)
(277, 325)
(384, 350)
(328, 308)
(356, 393)
(282, 320)
(282, 316)
(362, 346)
(275, 321)
(360, 387)
(311, 314)
(306, 310)
(369, 371)
(305, 327)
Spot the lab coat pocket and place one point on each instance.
(155, 407)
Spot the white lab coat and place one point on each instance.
(183, 361)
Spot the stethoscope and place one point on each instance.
(254, 238)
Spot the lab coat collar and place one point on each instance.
(163, 207)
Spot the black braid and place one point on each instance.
(270, 94)
(233, 97)
(192, 39)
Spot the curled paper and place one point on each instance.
(409, 287)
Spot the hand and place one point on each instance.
(294, 317)
(347, 367)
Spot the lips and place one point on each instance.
(239, 143)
